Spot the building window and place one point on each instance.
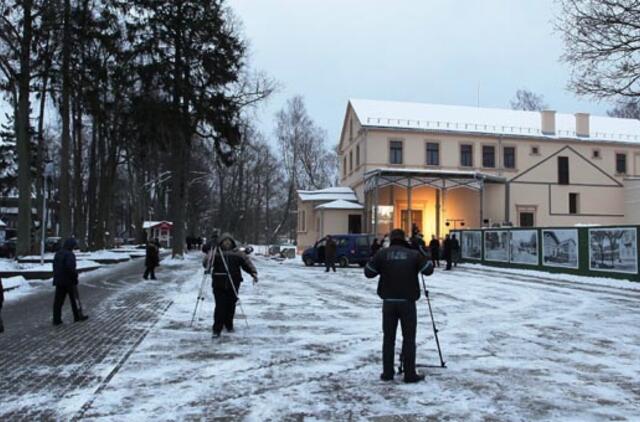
(621, 163)
(302, 223)
(357, 155)
(466, 155)
(509, 157)
(350, 161)
(350, 129)
(595, 153)
(527, 219)
(395, 152)
(344, 167)
(535, 150)
(574, 203)
(488, 156)
(563, 170)
(433, 154)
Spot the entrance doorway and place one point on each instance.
(416, 218)
(355, 224)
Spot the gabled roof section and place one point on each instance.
(340, 204)
(447, 118)
(329, 194)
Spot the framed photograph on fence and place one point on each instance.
(524, 247)
(471, 245)
(496, 245)
(560, 248)
(613, 249)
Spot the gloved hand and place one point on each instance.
(255, 278)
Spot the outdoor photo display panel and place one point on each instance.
(524, 247)
(560, 248)
(472, 245)
(496, 245)
(613, 249)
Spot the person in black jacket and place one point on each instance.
(447, 251)
(224, 293)
(151, 260)
(1, 302)
(375, 246)
(65, 278)
(455, 250)
(330, 252)
(399, 267)
(434, 249)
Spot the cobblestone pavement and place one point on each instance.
(51, 372)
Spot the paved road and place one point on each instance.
(46, 369)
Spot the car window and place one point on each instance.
(320, 243)
(342, 242)
(362, 242)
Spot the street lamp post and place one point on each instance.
(48, 172)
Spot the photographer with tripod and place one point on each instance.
(399, 267)
(226, 262)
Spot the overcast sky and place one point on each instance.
(435, 51)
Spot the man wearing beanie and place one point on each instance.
(399, 267)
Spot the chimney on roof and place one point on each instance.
(548, 122)
(582, 124)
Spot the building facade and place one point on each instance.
(445, 167)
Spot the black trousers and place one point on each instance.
(225, 308)
(61, 293)
(405, 312)
(330, 263)
(150, 271)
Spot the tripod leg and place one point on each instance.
(202, 286)
(435, 330)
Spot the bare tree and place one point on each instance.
(528, 101)
(627, 109)
(602, 44)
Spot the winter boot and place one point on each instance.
(81, 318)
(386, 377)
(417, 377)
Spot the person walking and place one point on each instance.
(446, 251)
(330, 251)
(151, 260)
(455, 250)
(228, 263)
(434, 250)
(398, 267)
(65, 279)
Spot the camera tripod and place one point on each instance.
(435, 334)
(208, 269)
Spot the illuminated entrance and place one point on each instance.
(435, 200)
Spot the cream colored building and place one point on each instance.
(444, 167)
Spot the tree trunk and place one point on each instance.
(65, 205)
(79, 215)
(23, 246)
(92, 194)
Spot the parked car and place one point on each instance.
(52, 244)
(351, 249)
(8, 248)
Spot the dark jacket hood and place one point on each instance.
(70, 244)
(225, 236)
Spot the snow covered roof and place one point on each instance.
(340, 204)
(329, 194)
(436, 117)
(3, 224)
(152, 224)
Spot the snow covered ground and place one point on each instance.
(517, 348)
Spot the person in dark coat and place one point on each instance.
(446, 251)
(151, 260)
(399, 267)
(330, 252)
(434, 249)
(228, 262)
(375, 246)
(65, 278)
(1, 302)
(455, 250)
(417, 243)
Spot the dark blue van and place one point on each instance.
(351, 249)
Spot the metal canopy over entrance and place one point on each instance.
(441, 180)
